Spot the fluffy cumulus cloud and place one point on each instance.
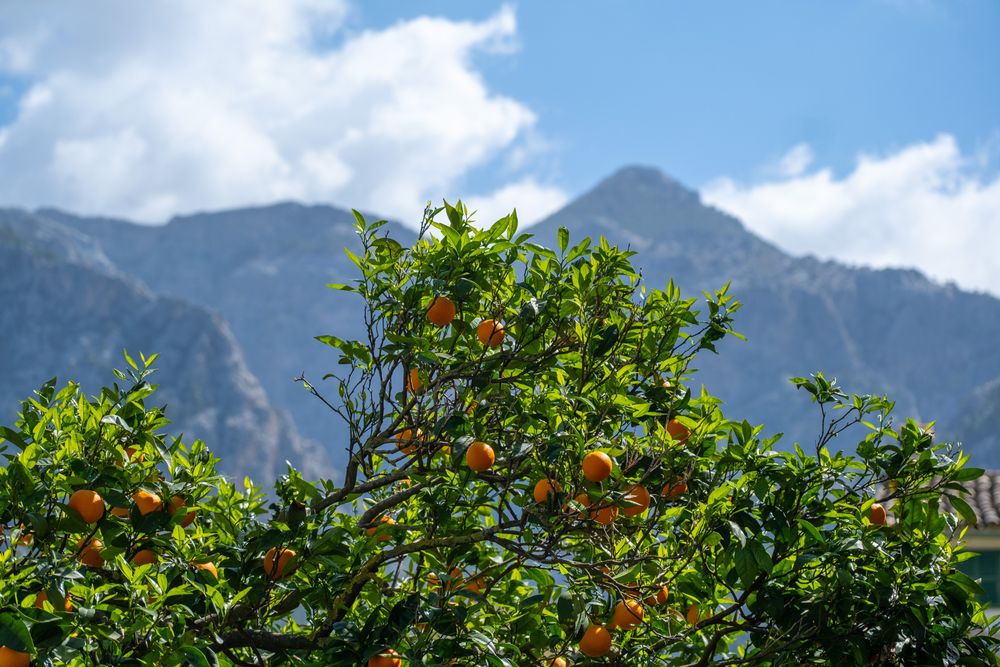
(147, 109)
(927, 206)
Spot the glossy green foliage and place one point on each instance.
(745, 554)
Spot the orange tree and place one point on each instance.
(528, 481)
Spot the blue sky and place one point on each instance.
(702, 89)
(874, 122)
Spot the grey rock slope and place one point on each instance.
(928, 345)
(265, 271)
(979, 420)
(68, 311)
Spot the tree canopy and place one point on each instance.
(530, 479)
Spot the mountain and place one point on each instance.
(881, 331)
(257, 278)
(265, 271)
(979, 420)
(69, 311)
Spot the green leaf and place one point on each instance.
(533, 600)
(761, 556)
(566, 607)
(14, 634)
(563, 239)
(969, 474)
(193, 656)
(746, 566)
(963, 509)
(812, 530)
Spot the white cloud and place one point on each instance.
(532, 200)
(147, 109)
(926, 206)
(795, 161)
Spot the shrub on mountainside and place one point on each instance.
(529, 481)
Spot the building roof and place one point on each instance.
(983, 498)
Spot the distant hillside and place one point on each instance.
(927, 345)
(264, 272)
(67, 311)
(978, 421)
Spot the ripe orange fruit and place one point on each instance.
(385, 659)
(675, 491)
(121, 512)
(476, 585)
(543, 488)
(413, 383)
(596, 641)
(637, 494)
(407, 440)
(455, 579)
(479, 456)
(177, 502)
(384, 537)
(88, 504)
(597, 466)
(130, 456)
(583, 499)
(877, 515)
(11, 658)
(628, 614)
(659, 598)
(147, 501)
(42, 597)
(558, 662)
(678, 431)
(277, 570)
(490, 332)
(207, 567)
(692, 615)
(90, 552)
(605, 515)
(144, 557)
(441, 311)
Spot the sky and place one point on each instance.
(866, 131)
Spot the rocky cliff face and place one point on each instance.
(265, 271)
(66, 310)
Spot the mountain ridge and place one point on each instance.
(865, 325)
(264, 269)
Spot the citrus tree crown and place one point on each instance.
(528, 480)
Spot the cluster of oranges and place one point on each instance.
(596, 466)
(491, 333)
(628, 614)
(441, 313)
(91, 508)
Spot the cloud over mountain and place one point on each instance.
(927, 205)
(142, 110)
